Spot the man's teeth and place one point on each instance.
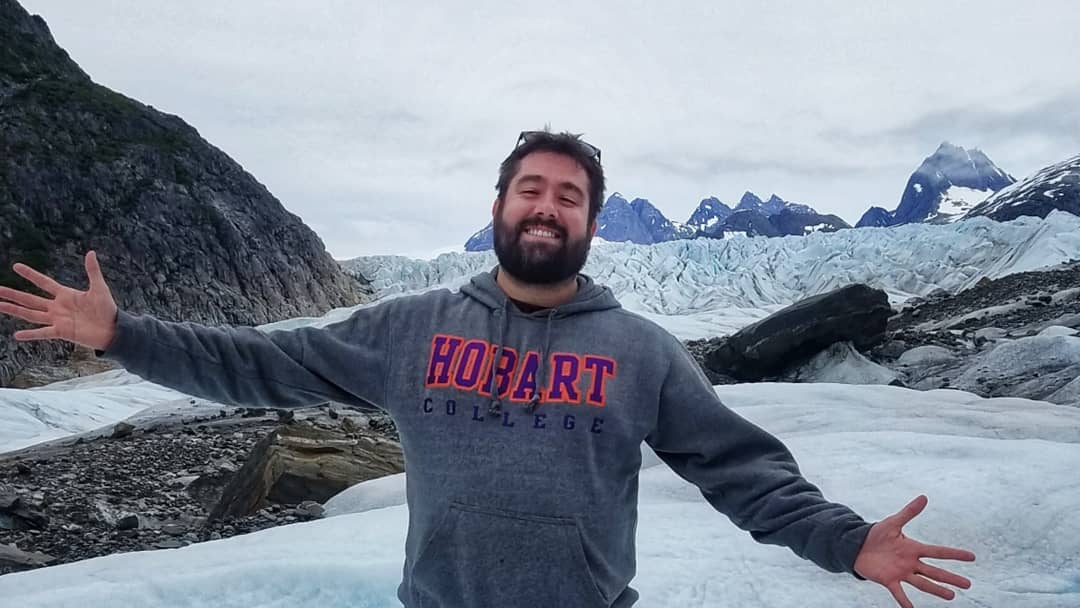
(541, 232)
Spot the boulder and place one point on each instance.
(18, 514)
(299, 462)
(12, 558)
(856, 313)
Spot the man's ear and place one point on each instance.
(494, 206)
(594, 225)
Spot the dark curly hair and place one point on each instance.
(567, 144)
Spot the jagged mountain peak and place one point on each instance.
(749, 200)
(946, 185)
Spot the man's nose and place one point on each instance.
(546, 205)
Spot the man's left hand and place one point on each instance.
(888, 557)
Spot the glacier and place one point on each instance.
(708, 287)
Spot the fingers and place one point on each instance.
(46, 284)
(93, 269)
(899, 595)
(943, 576)
(939, 552)
(27, 300)
(34, 316)
(927, 586)
(912, 509)
(41, 333)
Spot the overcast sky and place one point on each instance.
(382, 124)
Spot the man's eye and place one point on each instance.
(528, 192)
(569, 200)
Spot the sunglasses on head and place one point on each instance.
(526, 136)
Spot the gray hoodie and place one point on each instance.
(521, 434)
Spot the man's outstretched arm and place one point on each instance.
(750, 476)
(345, 361)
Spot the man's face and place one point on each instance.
(541, 228)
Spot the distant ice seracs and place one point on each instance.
(701, 288)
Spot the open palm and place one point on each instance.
(888, 558)
(83, 317)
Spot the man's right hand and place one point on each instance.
(83, 317)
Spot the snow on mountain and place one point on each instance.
(946, 185)
(706, 287)
(958, 200)
(710, 211)
(1053, 187)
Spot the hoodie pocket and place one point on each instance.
(483, 556)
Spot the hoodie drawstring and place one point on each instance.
(496, 401)
(541, 373)
(495, 405)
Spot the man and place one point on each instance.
(521, 401)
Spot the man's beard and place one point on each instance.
(538, 263)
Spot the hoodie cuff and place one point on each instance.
(124, 340)
(849, 544)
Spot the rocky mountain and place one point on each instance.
(182, 231)
(619, 221)
(875, 216)
(743, 221)
(948, 184)
(795, 223)
(1054, 187)
(659, 227)
(774, 217)
(482, 240)
(709, 212)
(638, 221)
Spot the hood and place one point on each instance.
(589, 297)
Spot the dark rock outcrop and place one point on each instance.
(793, 223)
(301, 462)
(985, 339)
(744, 221)
(182, 231)
(856, 313)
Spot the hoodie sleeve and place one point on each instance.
(748, 474)
(345, 361)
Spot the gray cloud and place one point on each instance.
(705, 165)
(382, 124)
(1056, 118)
